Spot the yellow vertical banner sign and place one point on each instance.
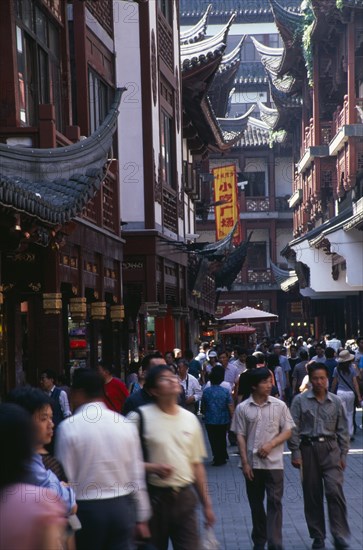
(226, 207)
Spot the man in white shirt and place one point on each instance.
(333, 342)
(320, 354)
(192, 388)
(240, 362)
(262, 424)
(102, 458)
(230, 370)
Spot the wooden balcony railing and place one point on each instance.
(326, 134)
(257, 204)
(340, 117)
(259, 275)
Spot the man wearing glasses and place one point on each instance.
(173, 447)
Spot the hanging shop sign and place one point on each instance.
(226, 207)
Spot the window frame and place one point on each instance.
(39, 62)
(259, 254)
(98, 83)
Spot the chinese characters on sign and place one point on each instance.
(226, 201)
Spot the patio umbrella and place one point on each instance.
(238, 329)
(250, 315)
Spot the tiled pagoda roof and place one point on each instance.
(197, 32)
(287, 279)
(268, 115)
(254, 136)
(271, 58)
(233, 58)
(234, 127)
(202, 52)
(288, 21)
(54, 185)
(223, 81)
(247, 10)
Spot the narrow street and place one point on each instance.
(233, 527)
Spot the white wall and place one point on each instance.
(283, 176)
(346, 244)
(130, 145)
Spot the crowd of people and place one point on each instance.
(107, 464)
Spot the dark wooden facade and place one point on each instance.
(53, 60)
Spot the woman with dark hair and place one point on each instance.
(31, 518)
(38, 405)
(217, 405)
(345, 381)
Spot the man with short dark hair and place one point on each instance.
(319, 444)
(142, 397)
(174, 449)
(262, 424)
(300, 371)
(61, 408)
(192, 389)
(195, 368)
(330, 363)
(102, 458)
(230, 371)
(320, 354)
(115, 391)
(240, 362)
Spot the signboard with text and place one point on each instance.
(226, 207)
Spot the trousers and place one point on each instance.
(266, 526)
(322, 472)
(174, 518)
(217, 434)
(347, 397)
(106, 524)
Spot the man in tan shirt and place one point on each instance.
(173, 446)
(262, 424)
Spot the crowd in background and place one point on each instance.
(66, 472)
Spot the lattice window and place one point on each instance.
(170, 211)
(102, 11)
(171, 295)
(326, 178)
(108, 203)
(165, 40)
(90, 211)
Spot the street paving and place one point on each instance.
(233, 527)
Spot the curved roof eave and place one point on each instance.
(211, 44)
(197, 32)
(50, 164)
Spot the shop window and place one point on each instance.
(257, 255)
(167, 149)
(99, 100)
(39, 69)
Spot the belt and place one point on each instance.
(317, 438)
(173, 490)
